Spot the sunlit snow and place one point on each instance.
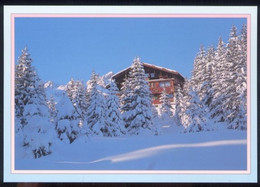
(172, 150)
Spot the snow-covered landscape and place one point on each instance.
(172, 151)
(94, 125)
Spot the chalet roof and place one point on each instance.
(150, 66)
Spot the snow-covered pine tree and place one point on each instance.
(241, 84)
(51, 97)
(232, 57)
(114, 123)
(165, 107)
(243, 46)
(186, 102)
(140, 114)
(32, 113)
(179, 106)
(96, 112)
(81, 101)
(234, 80)
(126, 101)
(71, 90)
(25, 82)
(68, 120)
(219, 83)
(208, 70)
(197, 72)
(104, 81)
(77, 95)
(197, 114)
(52, 109)
(89, 86)
(155, 112)
(156, 120)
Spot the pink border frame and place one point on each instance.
(247, 16)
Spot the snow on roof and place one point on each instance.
(152, 66)
(158, 67)
(120, 72)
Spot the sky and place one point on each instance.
(65, 48)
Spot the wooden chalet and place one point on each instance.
(159, 78)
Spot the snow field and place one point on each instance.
(214, 150)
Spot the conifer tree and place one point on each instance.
(197, 72)
(25, 84)
(155, 112)
(52, 109)
(219, 83)
(96, 112)
(77, 95)
(240, 84)
(89, 84)
(206, 91)
(186, 102)
(126, 101)
(68, 121)
(243, 46)
(235, 69)
(114, 123)
(165, 107)
(179, 106)
(197, 113)
(32, 113)
(139, 116)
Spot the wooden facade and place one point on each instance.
(159, 78)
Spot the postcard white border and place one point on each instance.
(39, 176)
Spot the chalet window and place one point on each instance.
(165, 84)
(152, 84)
(161, 84)
(152, 75)
(155, 97)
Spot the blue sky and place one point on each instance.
(62, 48)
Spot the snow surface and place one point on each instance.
(172, 150)
(62, 87)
